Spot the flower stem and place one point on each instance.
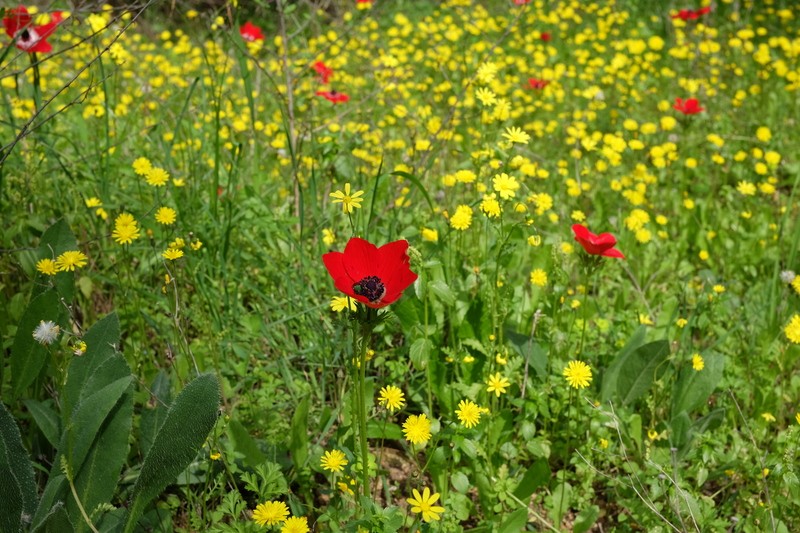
(361, 407)
(362, 419)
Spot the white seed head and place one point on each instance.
(46, 332)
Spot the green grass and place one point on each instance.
(651, 444)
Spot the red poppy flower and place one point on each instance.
(521, 2)
(692, 14)
(333, 96)
(546, 36)
(325, 73)
(690, 106)
(602, 244)
(17, 23)
(374, 276)
(535, 83)
(251, 32)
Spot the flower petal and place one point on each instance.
(360, 259)
(613, 252)
(16, 19)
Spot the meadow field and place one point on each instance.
(400, 265)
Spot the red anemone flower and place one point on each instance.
(602, 244)
(251, 32)
(535, 83)
(521, 2)
(545, 36)
(374, 276)
(17, 23)
(690, 106)
(333, 96)
(692, 14)
(325, 73)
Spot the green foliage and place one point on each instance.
(703, 206)
(190, 418)
(17, 485)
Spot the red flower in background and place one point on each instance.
(333, 96)
(373, 276)
(325, 73)
(690, 106)
(535, 83)
(546, 36)
(602, 244)
(17, 23)
(689, 14)
(521, 2)
(251, 32)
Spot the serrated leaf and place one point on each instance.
(190, 419)
(17, 484)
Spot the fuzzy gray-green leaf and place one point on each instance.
(190, 418)
(17, 485)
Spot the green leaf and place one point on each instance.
(17, 484)
(536, 476)
(460, 482)
(611, 375)
(693, 387)
(515, 522)
(442, 292)
(419, 353)
(155, 411)
(88, 373)
(190, 419)
(680, 430)
(639, 369)
(47, 419)
(85, 422)
(245, 444)
(97, 479)
(586, 519)
(298, 443)
(28, 357)
(56, 520)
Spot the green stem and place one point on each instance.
(566, 462)
(587, 279)
(362, 419)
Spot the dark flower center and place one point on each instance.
(371, 288)
(24, 35)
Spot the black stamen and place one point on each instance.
(370, 287)
(24, 35)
